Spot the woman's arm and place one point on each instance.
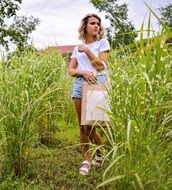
(89, 76)
(97, 62)
(72, 68)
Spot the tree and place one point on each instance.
(121, 31)
(166, 15)
(18, 32)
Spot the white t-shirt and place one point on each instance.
(96, 47)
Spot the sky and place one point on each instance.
(60, 19)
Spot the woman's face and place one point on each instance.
(93, 26)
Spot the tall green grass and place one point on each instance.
(34, 95)
(35, 100)
(140, 144)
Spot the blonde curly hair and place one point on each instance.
(83, 25)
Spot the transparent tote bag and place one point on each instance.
(95, 104)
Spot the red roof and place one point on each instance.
(62, 49)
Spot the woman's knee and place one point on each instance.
(87, 129)
(82, 129)
(90, 131)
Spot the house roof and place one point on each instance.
(62, 49)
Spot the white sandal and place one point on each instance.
(85, 167)
(97, 161)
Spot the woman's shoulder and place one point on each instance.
(75, 48)
(104, 44)
(104, 40)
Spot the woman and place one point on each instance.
(87, 64)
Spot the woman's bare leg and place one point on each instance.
(94, 137)
(87, 133)
(84, 140)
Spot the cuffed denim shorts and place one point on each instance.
(77, 86)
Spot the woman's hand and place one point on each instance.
(90, 77)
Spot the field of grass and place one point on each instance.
(39, 135)
(55, 167)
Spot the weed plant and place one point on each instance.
(34, 95)
(35, 102)
(139, 140)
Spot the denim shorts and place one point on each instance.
(77, 86)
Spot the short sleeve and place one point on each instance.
(74, 53)
(104, 45)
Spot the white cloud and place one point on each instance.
(139, 12)
(60, 19)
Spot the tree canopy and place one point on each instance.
(166, 15)
(121, 31)
(16, 33)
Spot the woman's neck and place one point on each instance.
(90, 39)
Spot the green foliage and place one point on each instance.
(33, 96)
(121, 31)
(56, 168)
(18, 32)
(140, 152)
(166, 15)
(22, 26)
(8, 9)
(140, 140)
(138, 145)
